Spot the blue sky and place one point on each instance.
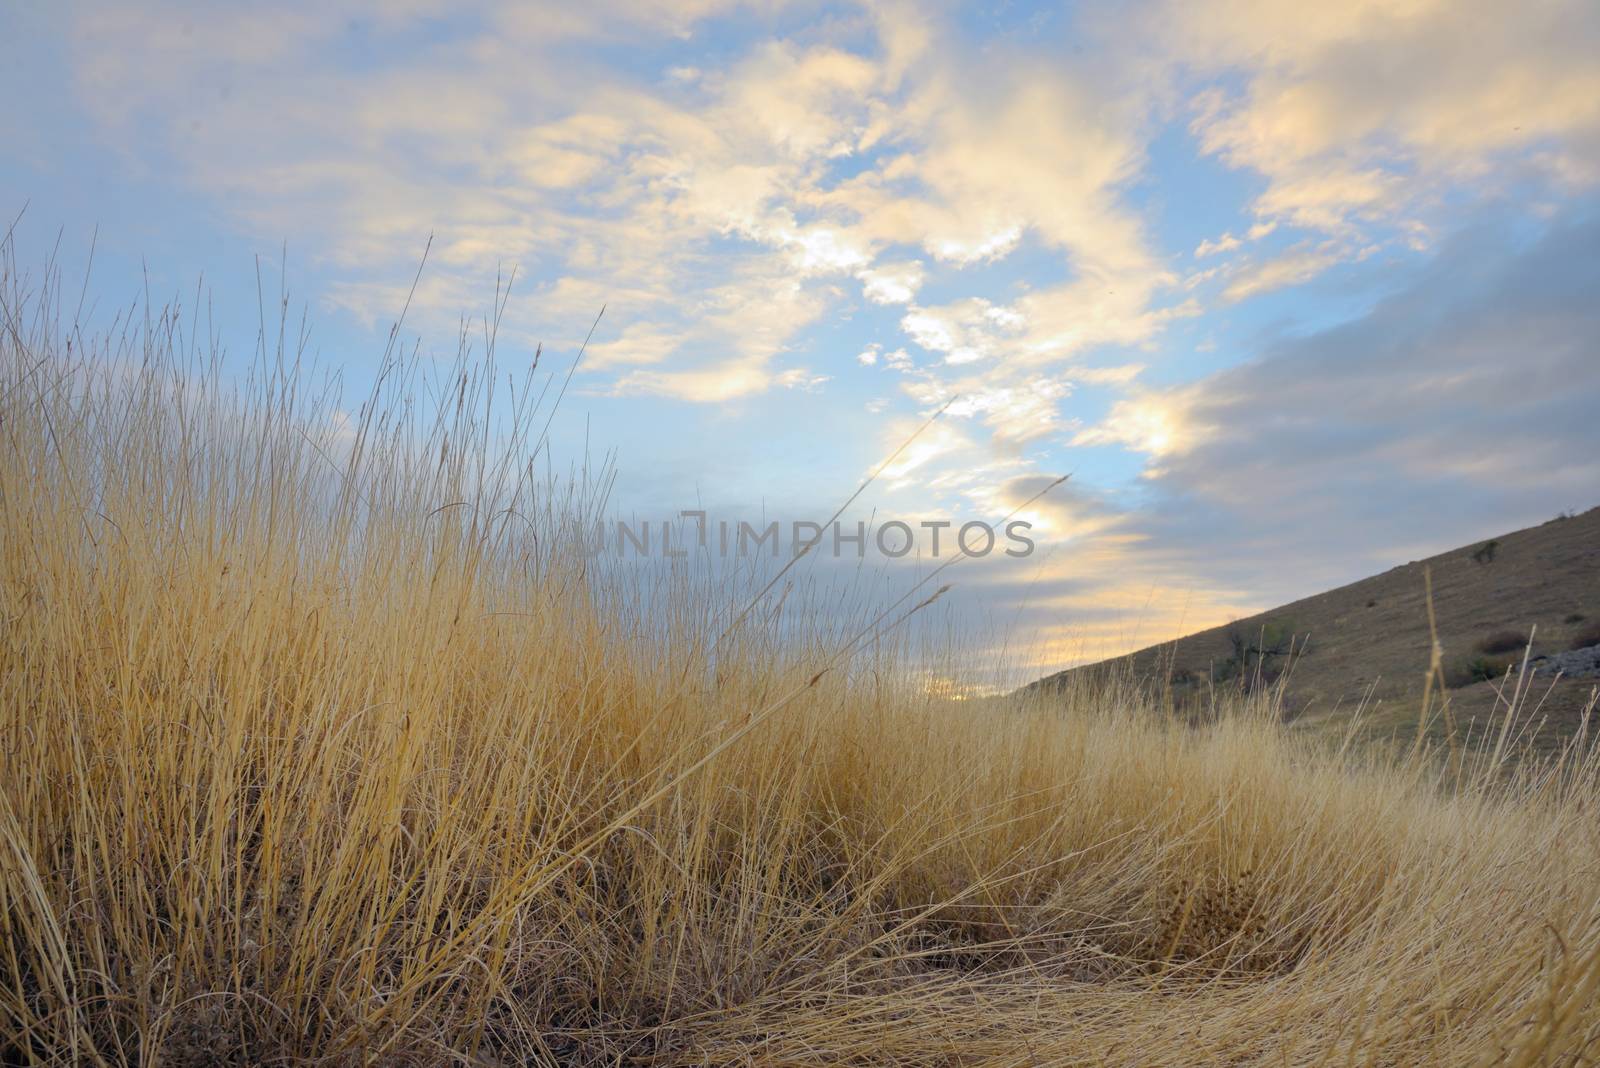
(1293, 293)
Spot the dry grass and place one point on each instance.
(1370, 643)
(299, 766)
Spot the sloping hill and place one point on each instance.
(1370, 640)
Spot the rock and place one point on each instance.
(1573, 664)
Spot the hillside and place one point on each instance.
(1369, 641)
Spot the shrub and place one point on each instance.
(1477, 669)
(1484, 554)
(1256, 661)
(1574, 617)
(1503, 641)
(1586, 637)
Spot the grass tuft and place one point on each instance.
(321, 742)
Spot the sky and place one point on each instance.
(1293, 293)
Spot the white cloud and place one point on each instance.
(1117, 375)
(700, 209)
(1290, 268)
(898, 360)
(824, 250)
(975, 247)
(801, 378)
(941, 441)
(1226, 243)
(1156, 424)
(892, 283)
(1016, 414)
(715, 384)
(639, 343)
(1358, 112)
(965, 331)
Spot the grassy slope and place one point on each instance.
(1370, 640)
(296, 769)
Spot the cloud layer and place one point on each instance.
(1211, 255)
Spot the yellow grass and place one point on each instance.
(319, 743)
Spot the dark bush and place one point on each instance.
(1477, 669)
(1503, 641)
(1587, 637)
(1575, 617)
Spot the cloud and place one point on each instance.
(1156, 424)
(715, 384)
(638, 343)
(964, 331)
(1359, 112)
(1115, 375)
(1472, 389)
(1097, 585)
(801, 378)
(986, 213)
(704, 204)
(1065, 511)
(1226, 243)
(1294, 266)
(942, 440)
(1014, 414)
(808, 102)
(898, 360)
(892, 283)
